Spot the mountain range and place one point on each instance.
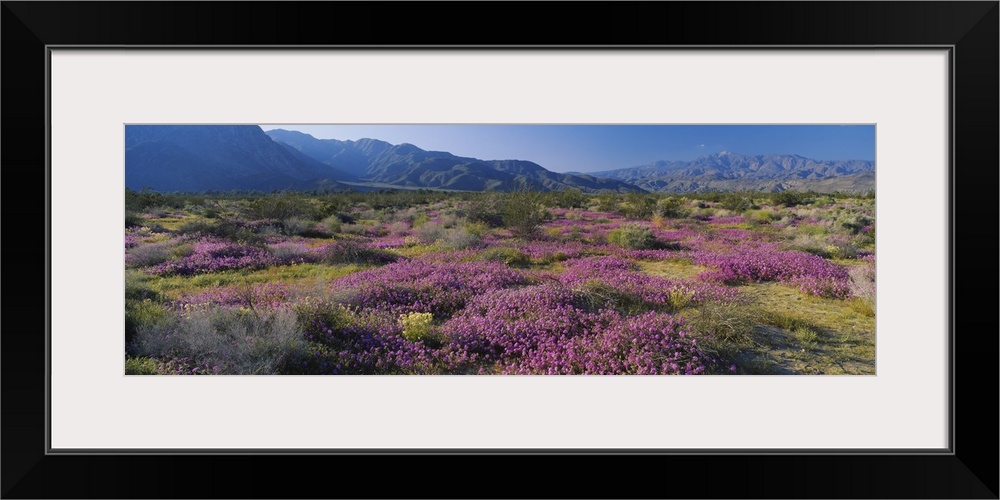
(727, 171)
(244, 157)
(216, 157)
(375, 161)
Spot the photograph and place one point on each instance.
(281, 190)
(482, 249)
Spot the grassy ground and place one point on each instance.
(794, 333)
(676, 269)
(305, 275)
(804, 334)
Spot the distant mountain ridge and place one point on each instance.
(372, 160)
(243, 157)
(217, 157)
(726, 171)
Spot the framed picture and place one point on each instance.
(921, 75)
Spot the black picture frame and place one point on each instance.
(970, 470)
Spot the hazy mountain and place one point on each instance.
(852, 183)
(376, 161)
(727, 171)
(226, 157)
(217, 157)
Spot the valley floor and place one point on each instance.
(478, 283)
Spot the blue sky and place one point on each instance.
(588, 148)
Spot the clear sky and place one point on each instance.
(588, 148)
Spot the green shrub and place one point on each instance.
(703, 214)
(197, 226)
(457, 238)
(140, 200)
(556, 256)
(353, 228)
(228, 228)
(353, 252)
(140, 366)
(762, 216)
(281, 206)
(790, 198)
(607, 202)
(133, 219)
(638, 206)
(670, 208)
(509, 256)
(137, 287)
(476, 228)
(420, 220)
(855, 222)
(737, 202)
(487, 208)
(333, 315)
(399, 228)
(448, 220)
(140, 314)
(295, 226)
(150, 254)
(811, 230)
(429, 232)
(810, 244)
(345, 217)
(143, 307)
(567, 198)
(633, 237)
(555, 233)
(369, 214)
(523, 212)
(842, 251)
(158, 212)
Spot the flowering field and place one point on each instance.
(423, 282)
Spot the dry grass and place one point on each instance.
(812, 335)
(676, 269)
(299, 274)
(173, 223)
(779, 330)
(239, 342)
